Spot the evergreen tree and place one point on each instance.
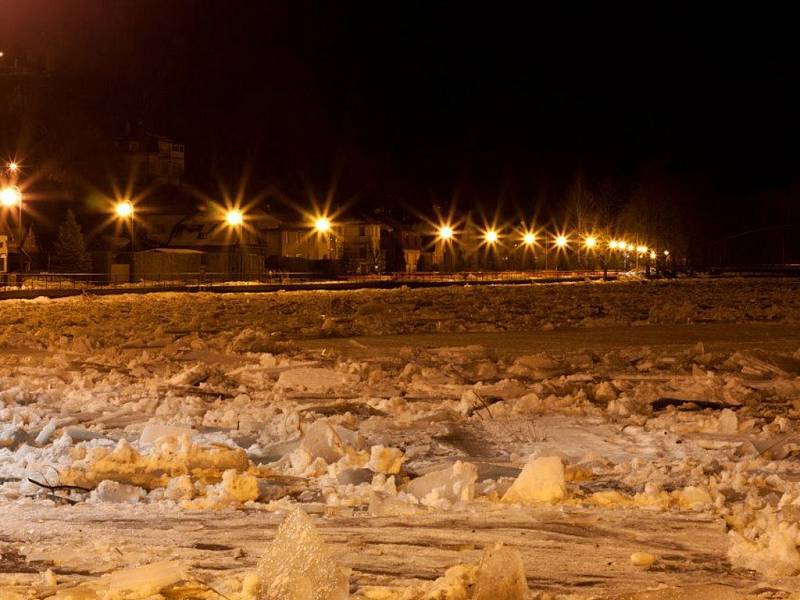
(69, 250)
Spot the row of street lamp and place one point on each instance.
(11, 196)
(590, 242)
(235, 218)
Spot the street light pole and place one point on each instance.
(546, 252)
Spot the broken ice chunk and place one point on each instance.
(179, 488)
(147, 580)
(693, 498)
(191, 376)
(385, 460)
(113, 491)
(642, 559)
(234, 490)
(774, 553)
(728, 422)
(298, 565)
(153, 432)
(382, 504)
(536, 367)
(321, 440)
(501, 575)
(46, 433)
(78, 434)
(354, 476)
(313, 379)
(542, 480)
(453, 484)
(12, 436)
(605, 392)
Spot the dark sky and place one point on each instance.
(413, 100)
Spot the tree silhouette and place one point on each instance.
(69, 250)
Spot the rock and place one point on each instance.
(542, 480)
(298, 565)
(501, 575)
(113, 491)
(454, 484)
(642, 559)
(320, 440)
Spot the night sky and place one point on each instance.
(407, 104)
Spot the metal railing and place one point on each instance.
(49, 281)
(88, 281)
(467, 276)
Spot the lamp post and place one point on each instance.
(235, 219)
(529, 239)
(561, 243)
(124, 210)
(322, 227)
(589, 243)
(490, 238)
(444, 235)
(9, 197)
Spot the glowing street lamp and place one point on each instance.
(641, 249)
(322, 225)
(445, 233)
(561, 241)
(590, 242)
(124, 209)
(11, 196)
(491, 236)
(13, 167)
(234, 217)
(529, 239)
(613, 244)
